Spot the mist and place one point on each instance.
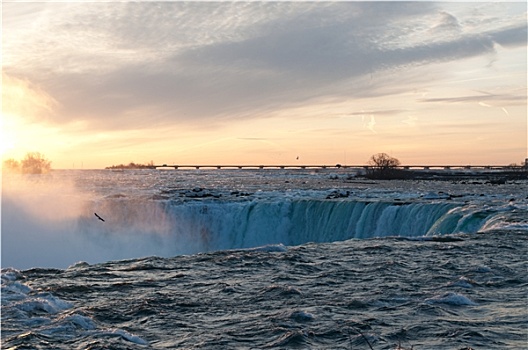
(46, 223)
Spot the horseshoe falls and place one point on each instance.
(250, 259)
(202, 226)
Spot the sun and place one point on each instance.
(26, 109)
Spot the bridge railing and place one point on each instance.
(339, 166)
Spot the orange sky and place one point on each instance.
(95, 84)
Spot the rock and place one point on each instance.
(500, 181)
(439, 195)
(338, 194)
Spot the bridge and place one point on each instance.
(339, 166)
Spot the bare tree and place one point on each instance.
(35, 163)
(11, 165)
(383, 166)
(383, 161)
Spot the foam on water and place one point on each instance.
(451, 298)
(463, 282)
(466, 293)
(192, 227)
(50, 222)
(45, 314)
(123, 334)
(80, 321)
(280, 248)
(302, 316)
(43, 302)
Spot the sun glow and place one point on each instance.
(443, 89)
(7, 138)
(25, 111)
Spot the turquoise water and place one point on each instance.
(261, 259)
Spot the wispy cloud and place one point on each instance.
(410, 120)
(483, 100)
(180, 61)
(387, 112)
(113, 68)
(369, 122)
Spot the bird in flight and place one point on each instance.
(100, 218)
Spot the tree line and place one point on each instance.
(132, 165)
(33, 163)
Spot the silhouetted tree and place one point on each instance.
(11, 165)
(383, 166)
(383, 161)
(35, 163)
(133, 165)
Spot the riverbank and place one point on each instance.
(490, 176)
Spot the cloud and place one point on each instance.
(489, 98)
(126, 65)
(22, 98)
(447, 22)
(411, 120)
(369, 122)
(387, 112)
(510, 37)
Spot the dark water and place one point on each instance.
(457, 292)
(262, 260)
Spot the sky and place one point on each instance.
(94, 84)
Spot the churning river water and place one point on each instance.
(261, 259)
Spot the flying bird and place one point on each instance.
(100, 218)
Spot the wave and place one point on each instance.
(48, 316)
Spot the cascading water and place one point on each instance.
(196, 226)
(50, 221)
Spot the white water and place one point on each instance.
(50, 222)
(217, 225)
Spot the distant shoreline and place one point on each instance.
(494, 176)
